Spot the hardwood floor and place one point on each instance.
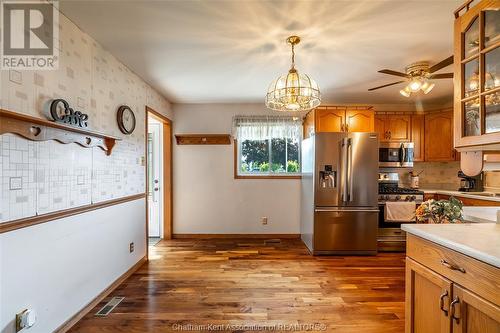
(252, 282)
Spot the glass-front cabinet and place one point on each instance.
(477, 75)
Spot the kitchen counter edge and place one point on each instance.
(428, 232)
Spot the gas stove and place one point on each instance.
(388, 190)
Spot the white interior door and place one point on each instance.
(154, 177)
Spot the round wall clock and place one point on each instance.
(126, 119)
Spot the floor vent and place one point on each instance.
(106, 309)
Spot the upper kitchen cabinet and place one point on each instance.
(330, 120)
(476, 81)
(439, 136)
(393, 127)
(351, 118)
(418, 137)
(360, 120)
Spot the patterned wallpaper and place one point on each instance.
(41, 177)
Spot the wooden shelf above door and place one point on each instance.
(203, 139)
(37, 129)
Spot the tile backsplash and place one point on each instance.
(42, 177)
(435, 175)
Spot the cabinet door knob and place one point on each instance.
(441, 302)
(452, 309)
(453, 267)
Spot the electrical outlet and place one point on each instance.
(131, 247)
(263, 220)
(25, 319)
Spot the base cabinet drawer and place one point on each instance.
(473, 274)
(440, 300)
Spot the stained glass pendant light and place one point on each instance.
(293, 91)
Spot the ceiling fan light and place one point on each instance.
(427, 87)
(415, 85)
(406, 92)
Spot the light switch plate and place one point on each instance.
(16, 183)
(15, 76)
(80, 180)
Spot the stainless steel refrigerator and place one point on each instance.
(339, 194)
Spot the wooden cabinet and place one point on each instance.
(352, 118)
(472, 314)
(447, 291)
(477, 88)
(427, 299)
(360, 120)
(393, 127)
(330, 120)
(468, 201)
(418, 137)
(439, 137)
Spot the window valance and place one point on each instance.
(266, 127)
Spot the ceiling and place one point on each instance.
(229, 51)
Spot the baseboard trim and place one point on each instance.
(249, 236)
(80, 314)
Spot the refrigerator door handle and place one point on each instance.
(344, 175)
(349, 170)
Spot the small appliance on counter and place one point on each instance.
(415, 179)
(470, 184)
(395, 155)
(397, 206)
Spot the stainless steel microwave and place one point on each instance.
(395, 155)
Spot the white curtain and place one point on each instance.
(266, 127)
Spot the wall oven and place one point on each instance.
(395, 155)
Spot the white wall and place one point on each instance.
(207, 198)
(58, 267)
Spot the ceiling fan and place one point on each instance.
(418, 75)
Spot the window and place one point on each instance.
(267, 146)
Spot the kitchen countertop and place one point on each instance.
(461, 194)
(480, 214)
(477, 240)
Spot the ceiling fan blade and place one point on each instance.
(441, 76)
(386, 85)
(446, 62)
(391, 72)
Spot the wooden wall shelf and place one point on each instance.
(36, 129)
(203, 139)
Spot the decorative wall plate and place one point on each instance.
(126, 119)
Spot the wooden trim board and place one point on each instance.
(38, 219)
(248, 236)
(99, 298)
(168, 201)
(38, 129)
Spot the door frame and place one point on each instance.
(167, 172)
